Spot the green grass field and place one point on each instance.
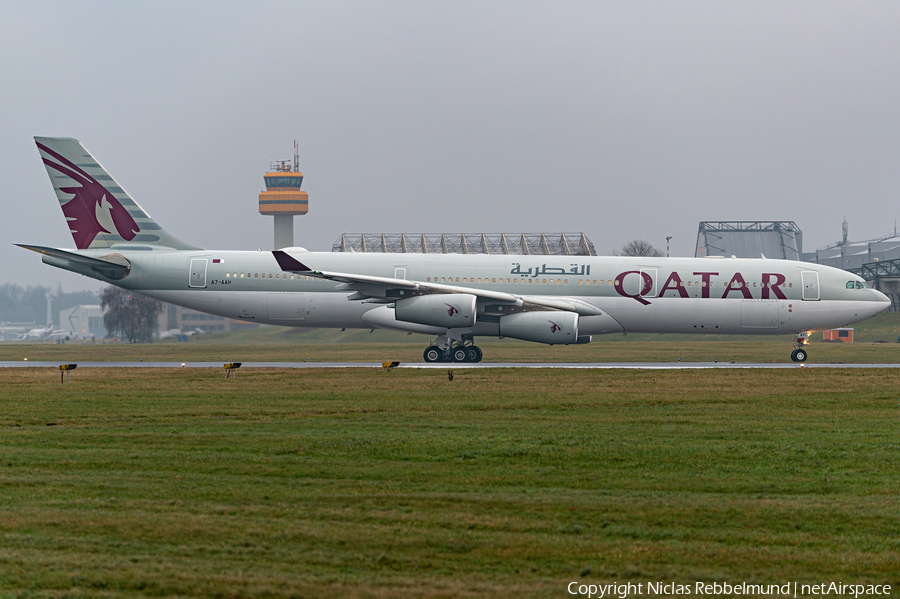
(363, 483)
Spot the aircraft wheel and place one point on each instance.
(459, 354)
(799, 355)
(473, 354)
(433, 354)
(478, 353)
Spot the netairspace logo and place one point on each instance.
(788, 589)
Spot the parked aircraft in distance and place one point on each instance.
(456, 297)
(42, 333)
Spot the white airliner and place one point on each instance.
(40, 333)
(456, 297)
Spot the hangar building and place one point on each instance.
(780, 239)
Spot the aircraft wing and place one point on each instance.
(386, 289)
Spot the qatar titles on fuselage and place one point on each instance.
(456, 297)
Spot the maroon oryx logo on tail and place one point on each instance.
(451, 309)
(93, 210)
(554, 326)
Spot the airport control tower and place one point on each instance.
(283, 198)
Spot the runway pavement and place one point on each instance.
(444, 365)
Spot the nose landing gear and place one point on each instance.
(800, 354)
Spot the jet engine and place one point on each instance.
(543, 327)
(452, 310)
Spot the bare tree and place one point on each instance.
(23, 304)
(132, 315)
(638, 247)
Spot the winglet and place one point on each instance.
(286, 262)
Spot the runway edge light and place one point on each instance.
(231, 369)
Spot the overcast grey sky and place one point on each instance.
(619, 119)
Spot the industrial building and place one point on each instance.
(780, 239)
(844, 335)
(83, 322)
(849, 255)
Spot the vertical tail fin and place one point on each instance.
(99, 212)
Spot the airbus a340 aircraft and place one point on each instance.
(42, 333)
(456, 297)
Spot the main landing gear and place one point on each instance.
(455, 353)
(800, 354)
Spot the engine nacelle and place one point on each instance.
(543, 327)
(452, 310)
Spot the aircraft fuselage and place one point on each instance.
(648, 295)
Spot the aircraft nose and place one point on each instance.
(882, 302)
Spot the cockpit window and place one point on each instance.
(850, 285)
(858, 285)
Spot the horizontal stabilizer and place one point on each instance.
(88, 261)
(289, 264)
